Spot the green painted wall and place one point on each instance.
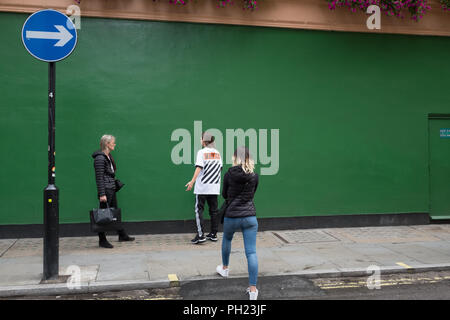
(351, 109)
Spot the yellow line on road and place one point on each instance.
(404, 265)
(174, 282)
(339, 287)
(382, 283)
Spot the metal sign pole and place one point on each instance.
(51, 205)
(39, 34)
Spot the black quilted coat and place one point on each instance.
(233, 188)
(104, 175)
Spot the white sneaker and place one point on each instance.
(223, 272)
(253, 295)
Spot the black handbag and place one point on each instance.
(108, 219)
(226, 204)
(103, 216)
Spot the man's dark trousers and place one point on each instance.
(200, 200)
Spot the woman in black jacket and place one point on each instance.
(105, 172)
(239, 187)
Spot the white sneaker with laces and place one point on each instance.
(253, 295)
(223, 272)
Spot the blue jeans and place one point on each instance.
(249, 227)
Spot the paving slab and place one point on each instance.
(300, 258)
(442, 247)
(418, 252)
(442, 232)
(129, 267)
(161, 264)
(5, 244)
(340, 256)
(383, 234)
(25, 248)
(20, 271)
(84, 274)
(270, 262)
(381, 255)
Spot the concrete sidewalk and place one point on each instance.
(148, 261)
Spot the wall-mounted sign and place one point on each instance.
(444, 133)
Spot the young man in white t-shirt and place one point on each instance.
(206, 177)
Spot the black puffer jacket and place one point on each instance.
(240, 198)
(104, 175)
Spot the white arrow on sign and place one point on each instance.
(63, 35)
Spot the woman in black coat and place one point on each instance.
(105, 172)
(239, 187)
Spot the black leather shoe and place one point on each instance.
(105, 244)
(125, 238)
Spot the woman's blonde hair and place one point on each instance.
(105, 139)
(243, 158)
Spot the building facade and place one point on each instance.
(344, 122)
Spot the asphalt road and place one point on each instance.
(406, 286)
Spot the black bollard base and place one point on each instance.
(51, 232)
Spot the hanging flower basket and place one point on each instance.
(397, 8)
(445, 5)
(246, 5)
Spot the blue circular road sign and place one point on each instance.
(49, 35)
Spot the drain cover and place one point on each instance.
(304, 236)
